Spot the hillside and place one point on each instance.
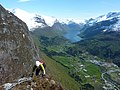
(56, 70)
(17, 50)
(90, 71)
(47, 32)
(18, 54)
(101, 36)
(67, 68)
(101, 24)
(92, 62)
(105, 45)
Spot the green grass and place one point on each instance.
(92, 75)
(92, 69)
(57, 68)
(65, 61)
(115, 76)
(57, 71)
(36, 41)
(60, 73)
(59, 48)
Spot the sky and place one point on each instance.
(76, 9)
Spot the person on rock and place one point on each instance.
(39, 67)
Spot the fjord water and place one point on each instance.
(72, 35)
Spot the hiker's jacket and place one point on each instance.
(39, 65)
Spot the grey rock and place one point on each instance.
(17, 49)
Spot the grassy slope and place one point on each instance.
(105, 45)
(58, 72)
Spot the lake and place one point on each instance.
(72, 35)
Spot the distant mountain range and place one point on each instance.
(37, 20)
(91, 27)
(101, 24)
(110, 21)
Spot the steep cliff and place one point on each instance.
(17, 50)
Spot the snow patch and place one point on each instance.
(49, 20)
(105, 30)
(68, 20)
(26, 17)
(101, 18)
(116, 27)
(108, 16)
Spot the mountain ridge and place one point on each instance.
(101, 24)
(48, 20)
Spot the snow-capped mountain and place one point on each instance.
(112, 16)
(108, 22)
(108, 16)
(69, 20)
(34, 20)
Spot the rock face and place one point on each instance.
(41, 83)
(17, 50)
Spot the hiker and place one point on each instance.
(39, 66)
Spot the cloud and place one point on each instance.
(24, 0)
